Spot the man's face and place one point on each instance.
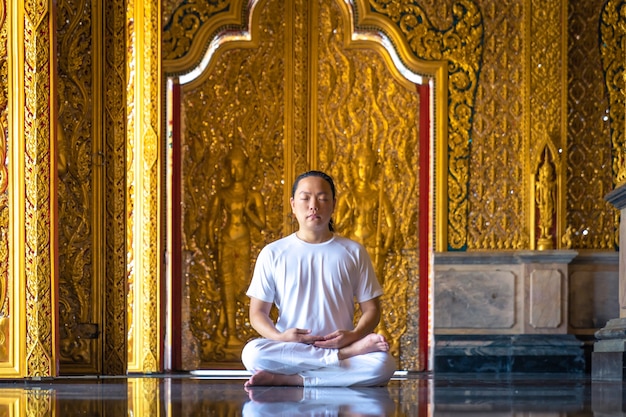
(313, 204)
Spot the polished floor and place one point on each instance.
(220, 394)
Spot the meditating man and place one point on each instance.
(314, 276)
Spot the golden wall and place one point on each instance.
(74, 201)
(535, 140)
(529, 149)
(332, 106)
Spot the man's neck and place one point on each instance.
(314, 236)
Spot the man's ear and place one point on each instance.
(291, 203)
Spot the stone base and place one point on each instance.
(608, 366)
(506, 354)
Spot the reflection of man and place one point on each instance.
(337, 401)
(236, 207)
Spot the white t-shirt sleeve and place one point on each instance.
(368, 286)
(262, 285)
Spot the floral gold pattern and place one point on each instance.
(40, 287)
(142, 186)
(461, 45)
(115, 347)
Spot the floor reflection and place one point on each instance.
(222, 395)
(297, 401)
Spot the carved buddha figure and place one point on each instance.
(235, 210)
(364, 213)
(545, 199)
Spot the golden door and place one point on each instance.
(293, 88)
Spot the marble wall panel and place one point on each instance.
(475, 299)
(592, 299)
(546, 298)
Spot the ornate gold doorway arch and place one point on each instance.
(264, 91)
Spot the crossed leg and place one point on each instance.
(370, 343)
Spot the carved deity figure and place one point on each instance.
(364, 213)
(545, 200)
(235, 210)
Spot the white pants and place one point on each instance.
(318, 366)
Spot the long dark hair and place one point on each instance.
(326, 178)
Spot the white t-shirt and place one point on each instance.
(314, 285)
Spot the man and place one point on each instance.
(313, 276)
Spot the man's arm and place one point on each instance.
(261, 322)
(368, 321)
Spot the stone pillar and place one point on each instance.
(608, 358)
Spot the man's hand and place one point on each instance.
(337, 339)
(300, 336)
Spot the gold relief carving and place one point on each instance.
(298, 158)
(75, 179)
(545, 112)
(115, 346)
(361, 217)
(235, 107)
(497, 191)
(186, 20)
(612, 31)
(237, 209)
(589, 164)
(545, 200)
(142, 182)
(368, 140)
(37, 159)
(5, 339)
(131, 60)
(462, 46)
(151, 171)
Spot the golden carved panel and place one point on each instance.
(496, 186)
(546, 115)
(232, 170)
(236, 116)
(612, 34)
(186, 22)
(115, 336)
(592, 221)
(79, 163)
(38, 200)
(143, 175)
(368, 139)
(612, 31)
(461, 45)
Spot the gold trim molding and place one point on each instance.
(29, 312)
(40, 196)
(143, 186)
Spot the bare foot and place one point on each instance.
(266, 378)
(373, 342)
